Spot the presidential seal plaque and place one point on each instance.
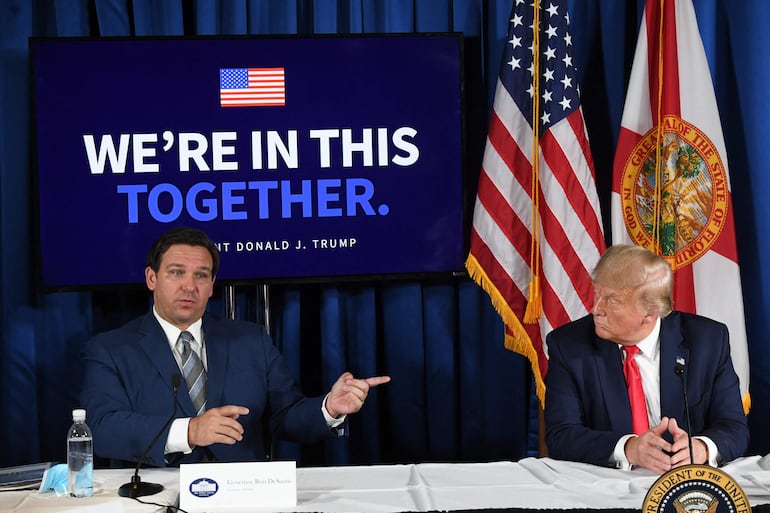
(695, 489)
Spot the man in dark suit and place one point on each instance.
(129, 373)
(588, 413)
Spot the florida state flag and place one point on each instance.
(671, 185)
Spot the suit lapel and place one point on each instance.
(152, 340)
(217, 344)
(613, 384)
(672, 346)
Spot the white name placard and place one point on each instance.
(220, 487)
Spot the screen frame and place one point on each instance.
(465, 199)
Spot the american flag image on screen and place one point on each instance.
(251, 87)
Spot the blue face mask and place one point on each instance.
(55, 478)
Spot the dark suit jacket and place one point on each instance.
(127, 391)
(586, 401)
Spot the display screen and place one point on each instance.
(301, 157)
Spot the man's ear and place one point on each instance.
(651, 315)
(150, 278)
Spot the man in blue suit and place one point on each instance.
(587, 409)
(130, 372)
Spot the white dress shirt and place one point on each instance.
(177, 440)
(648, 361)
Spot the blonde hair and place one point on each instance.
(641, 271)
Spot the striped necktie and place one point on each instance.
(193, 371)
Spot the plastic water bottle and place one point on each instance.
(80, 456)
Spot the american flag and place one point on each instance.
(248, 87)
(537, 231)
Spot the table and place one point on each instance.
(105, 498)
(529, 484)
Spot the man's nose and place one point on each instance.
(188, 283)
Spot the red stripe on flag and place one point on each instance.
(627, 140)
(725, 244)
(684, 290)
(670, 63)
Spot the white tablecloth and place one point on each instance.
(537, 483)
(105, 498)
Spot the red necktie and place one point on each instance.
(639, 420)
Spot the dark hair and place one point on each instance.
(187, 236)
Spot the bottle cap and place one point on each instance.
(78, 414)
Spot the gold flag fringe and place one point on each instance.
(516, 338)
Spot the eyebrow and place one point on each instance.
(174, 265)
(615, 294)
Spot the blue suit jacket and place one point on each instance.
(586, 402)
(127, 391)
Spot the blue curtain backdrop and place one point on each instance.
(456, 394)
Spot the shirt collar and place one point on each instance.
(172, 332)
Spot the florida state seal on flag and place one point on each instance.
(671, 184)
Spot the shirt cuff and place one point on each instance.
(713, 452)
(330, 421)
(177, 437)
(619, 459)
